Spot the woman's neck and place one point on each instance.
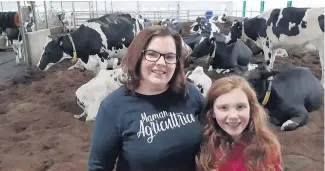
(151, 90)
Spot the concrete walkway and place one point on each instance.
(8, 66)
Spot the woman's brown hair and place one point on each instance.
(263, 149)
(132, 60)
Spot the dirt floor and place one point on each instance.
(39, 133)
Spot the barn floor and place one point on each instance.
(38, 131)
(8, 67)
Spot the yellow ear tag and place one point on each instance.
(74, 56)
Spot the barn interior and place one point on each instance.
(38, 131)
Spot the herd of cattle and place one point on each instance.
(288, 93)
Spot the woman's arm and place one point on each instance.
(105, 140)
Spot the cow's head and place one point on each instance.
(198, 25)
(235, 32)
(219, 19)
(52, 53)
(206, 44)
(171, 23)
(258, 78)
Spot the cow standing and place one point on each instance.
(289, 28)
(108, 37)
(14, 39)
(294, 91)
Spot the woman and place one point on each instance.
(151, 122)
(236, 134)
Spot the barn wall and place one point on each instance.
(36, 41)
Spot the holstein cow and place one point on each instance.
(222, 25)
(293, 92)
(108, 37)
(14, 39)
(199, 79)
(225, 58)
(90, 95)
(172, 23)
(288, 28)
(201, 24)
(67, 20)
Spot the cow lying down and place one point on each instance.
(295, 91)
(200, 79)
(90, 95)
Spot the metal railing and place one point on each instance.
(48, 18)
(180, 15)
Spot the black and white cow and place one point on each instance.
(221, 24)
(66, 18)
(201, 24)
(90, 95)
(172, 23)
(288, 28)
(14, 38)
(202, 81)
(294, 92)
(225, 58)
(108, 37)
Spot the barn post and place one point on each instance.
(112, 7)
(289, 4)
(23, 35)
(74, 16)
(105, 7)
(188, 15)
(138, 7)
(61, 6)
(90, 9)
(262, 6)
(244, 9)
(96, 10)
(178, 8)
(45, 12)
(32, 5)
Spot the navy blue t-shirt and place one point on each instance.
(147, 132)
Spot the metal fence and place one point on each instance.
(46, 12)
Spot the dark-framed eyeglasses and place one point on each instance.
(154, 56)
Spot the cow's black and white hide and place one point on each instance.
(224, 58)
(288, 28)
(90, 95)
(172, 23)
(201, 24)
(223, 24)
(202, 81)
(14, 39)
(108, 37)
(295, 91)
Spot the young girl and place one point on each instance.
(236, 133)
